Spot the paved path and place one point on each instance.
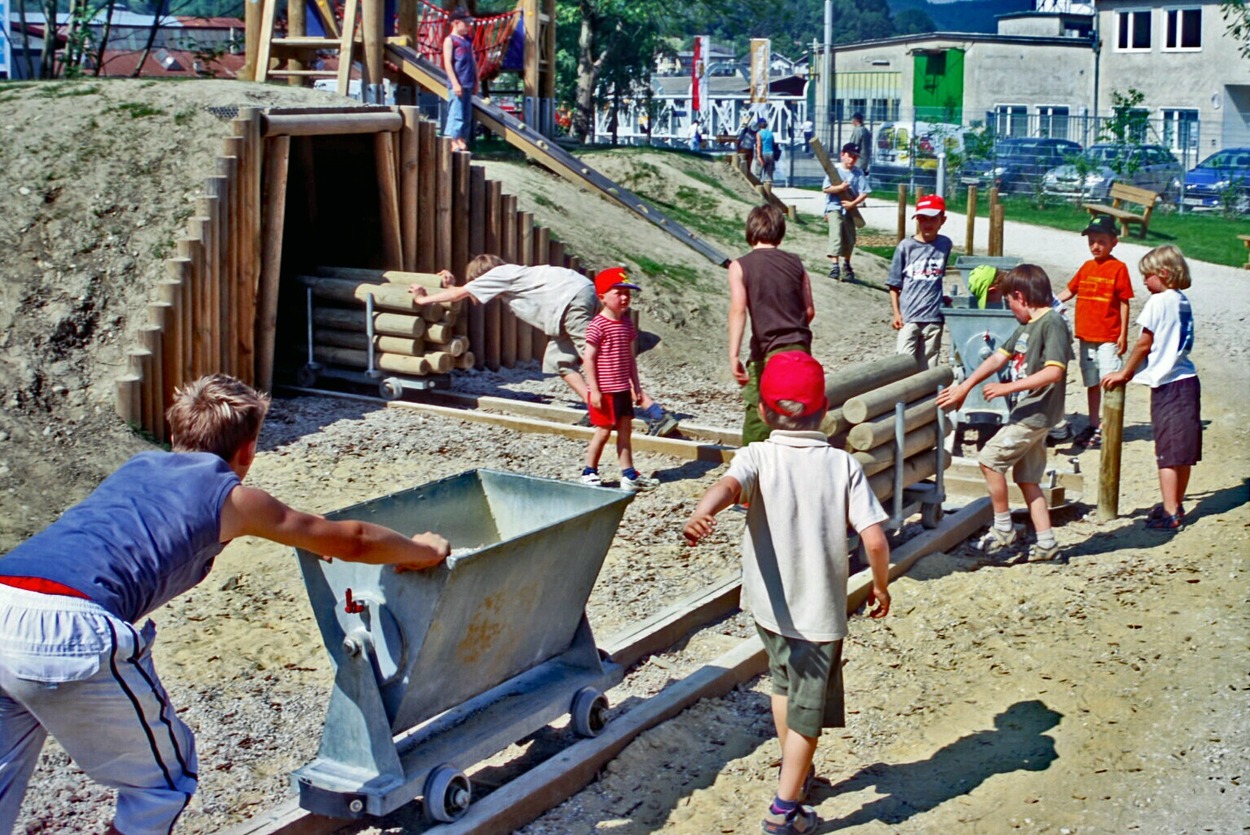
(1218, 291)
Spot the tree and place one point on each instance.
(913, 22)
(1237, 15)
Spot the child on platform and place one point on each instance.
(802, 494)
(1102, 290)
(1167, 337)
(612, 382)
(74, 661)
(1036, 357)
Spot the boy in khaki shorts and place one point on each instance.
(1036, 357)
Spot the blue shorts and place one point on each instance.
(459, 116)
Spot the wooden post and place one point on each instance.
(209, 232)
(970, 231)
(191, 248)
(526, 340)
(460, 210)
(152, 338)
(251, 36)
(172, 291)
(373, 34)
(248, 126)
(1109, 467)
(475, 243)
(296, 27)
(428, 168)
(164, 317)
(234, 242)
(997, 220)
(388, 197)
(277, 164)
(409, 195)
(129, 402)
(902, 213)
(443, 255)
(511, 352)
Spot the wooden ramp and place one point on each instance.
(548, 153)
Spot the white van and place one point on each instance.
(907, 150)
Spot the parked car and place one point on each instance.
(1225, 174)
(1146, 166)
(1018, 164)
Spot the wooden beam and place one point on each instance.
(427, 197)
(388, 200)
(277, 164)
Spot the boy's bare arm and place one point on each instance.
(1121, 344)
(809, 306)
(953, 397)
(1141, 350)
(737, 322)
(877, 547)
(251, 512)
(1065, 294)
(703, 520)
(450, 294)
(590, 357)
(1044, 376)
(896, 319)
(836, 188)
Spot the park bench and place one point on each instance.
(1121, 194)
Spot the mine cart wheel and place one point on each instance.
(590, 712)
(306, 376)
(390, 389)
(447, 794)
(930, 515)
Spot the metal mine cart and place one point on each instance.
(975, 333)
(438, 669)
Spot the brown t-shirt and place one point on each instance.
(775, 300)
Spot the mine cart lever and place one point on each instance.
(353, 607)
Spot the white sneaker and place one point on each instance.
(995, 540)
(592, 479)
(642, 482)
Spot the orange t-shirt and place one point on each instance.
(1100, 287)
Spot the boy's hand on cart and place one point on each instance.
(951, 398)
(438, 545)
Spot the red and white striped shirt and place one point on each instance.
(614, 362)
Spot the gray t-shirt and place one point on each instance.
(537, 295)
(801, 495)
(917, 272)
(1043, 341)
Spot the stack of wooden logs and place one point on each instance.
(409, 339)
(861, 419)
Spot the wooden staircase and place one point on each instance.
(290, 50)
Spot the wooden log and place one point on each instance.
(465, 361)
(970, 230)
(164, 319)
(1109, 462)
(229, 166)
(916, 469)
(526, 341)
(437, 314)
(129, 402)
(140, 362)
(348, 358)
(461, 172)
(373, 34)
(835, 424)
(388, 200)
(443, 259)
(277, 164)
(409, 166)
(440, 334)
(359, 340)
(510, 352)
(385, 296)
(881, 457)
(458, 346)
(878, 401)
(296, 27)
(330, 124)
(385, 324)
(191, 249)
(206, 206)
(997, 221)
(440, 361)
(430, 281)
(153, 340)
(250, 232)
(844, 383)
(873, 433)
(174, 288)
(427, 197)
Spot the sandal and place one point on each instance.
(803, 820)
(1165, 523)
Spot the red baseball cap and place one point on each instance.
(793, 375)
(931, 205)
(613, 277)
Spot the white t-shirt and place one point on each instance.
(537, 295)
(802, 493)
(1169, 317)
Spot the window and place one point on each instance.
(1184, 29)
(1180, 129)
(1011, 120)
(1052, 120)
(883, 110)
(1133, 31)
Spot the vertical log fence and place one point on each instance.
(217, 307)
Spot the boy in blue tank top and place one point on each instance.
(73, 662)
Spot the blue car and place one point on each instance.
(1223, 175)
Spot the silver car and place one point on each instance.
(1146, 166)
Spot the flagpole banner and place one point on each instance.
(760, 59)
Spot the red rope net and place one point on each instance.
(491, 36)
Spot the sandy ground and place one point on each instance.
(1105, 693)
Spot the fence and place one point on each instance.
(294, 189)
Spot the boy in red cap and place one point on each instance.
(802, 495)
(612, 381)
(915, 283)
